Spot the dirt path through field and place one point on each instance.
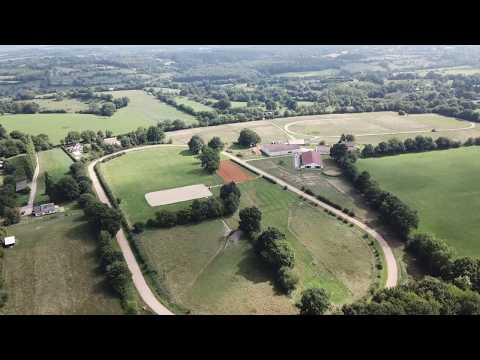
(391, 263)
(27, 209)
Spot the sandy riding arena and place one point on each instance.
(229, 171)
(172, 196)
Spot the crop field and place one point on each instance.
(135, 174)
(53, 269)
(196, 106)
(229, 132)
(57, 164)
(207, 274)
(336, 189)
(143, 110)
(375, 124)
(454, 70)
(442, 186)
(310, 74)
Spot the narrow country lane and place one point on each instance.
(137, 276)
(392, 270)
(27, 209)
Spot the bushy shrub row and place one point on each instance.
(225, 205)
(329, 202)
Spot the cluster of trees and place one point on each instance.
(16, 142)
(438, 259)
(276, 251)
(8, 201)
(209, 154)
(429, 296)
(418, 144)
(142, 136)
(106, 222)
(225, 205)
(272, 247)
(15, 107)
(248, 138)
(71, 186)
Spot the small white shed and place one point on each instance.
(9, 240)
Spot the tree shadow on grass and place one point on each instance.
(253, 269)
(198, 172)
(186, 153)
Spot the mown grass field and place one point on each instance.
(209, 276)
(196, 106)
(57, 164)
(442, 186)
(70, 105)
(143, 110)
(53, 269)
(133, 175)
(378, 124)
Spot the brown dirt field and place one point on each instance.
(230, 171)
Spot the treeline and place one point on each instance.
(393, 212)
(425, 297)
(8, 201)
(69, 187)
(278, 254)
(106, 222)
(327, 201)
(13, 107)
(200, 210)
(18, 142)
(412, 145)
(181, 107)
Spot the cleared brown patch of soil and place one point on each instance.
(230, 171)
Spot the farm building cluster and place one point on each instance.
(304, 157)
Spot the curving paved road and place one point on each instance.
(392, 269)
(137, 276)
(27, 209)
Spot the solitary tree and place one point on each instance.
(250, 220)
(195, 144)
(216, 144)
(210, 159)
(223, 104)
(108, 109)
(314, 301)
(248, 138)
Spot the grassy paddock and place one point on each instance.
(133, 175)
(209, 276)
(53, 269)
(442, 186)
(57, 164)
